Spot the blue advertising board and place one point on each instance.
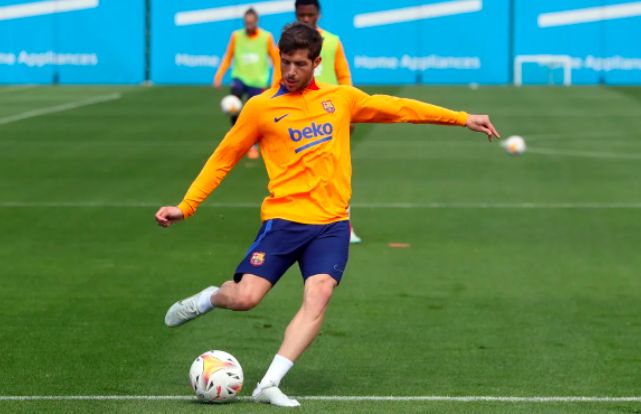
(386, 42)
(408, 41)
(405, 41)
(72, 41)
(586, 41)
(189, 38)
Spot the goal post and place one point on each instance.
(551, 61)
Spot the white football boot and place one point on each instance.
(271, 394)
(186, 309)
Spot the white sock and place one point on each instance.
(204, 300)
(277, 370)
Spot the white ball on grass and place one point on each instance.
(514, 145)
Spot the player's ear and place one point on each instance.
(317, 62)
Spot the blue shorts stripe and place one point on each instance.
(311, 144)
(267, 229)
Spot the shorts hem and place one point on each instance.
(239, 275)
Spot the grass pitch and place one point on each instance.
(521, 277)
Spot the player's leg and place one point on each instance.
(254, 277)
(322, 264)
(300, 333)
(238, 296)
(241, 296)
(238, 89)
(304, 328)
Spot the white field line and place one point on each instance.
(42, 8)
(218, 14)
(409, 14)
(59, 108)
(437, 398)
(380, 205)
(590, 14)
(16, 88)
(587, 135)
(585, 154)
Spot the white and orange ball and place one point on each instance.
(216, 377)
(514, 145)
(231, 105)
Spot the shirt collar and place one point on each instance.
(282, 90)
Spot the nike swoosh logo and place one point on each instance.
(276, 119)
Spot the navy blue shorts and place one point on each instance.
(240, 89)
(318, 249)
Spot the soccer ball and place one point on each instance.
(216, 377)
(514, 145)
(231, 105)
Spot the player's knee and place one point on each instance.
(246, 300)
(319, 292)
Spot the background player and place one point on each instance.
(334, 67)
(303, 130)
(249, 49)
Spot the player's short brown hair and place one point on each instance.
(298, 36)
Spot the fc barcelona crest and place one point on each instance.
(257, 259)
(328, 106)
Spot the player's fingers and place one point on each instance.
(161, 216)
(487, 132)
(488, 129)
(494, 131)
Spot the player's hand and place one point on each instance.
(168, 215)
(482, 123)
(217, 83)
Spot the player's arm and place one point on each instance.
(341, 66)
(391, 109)
(274, 54)
(226, 62)
(237, 141)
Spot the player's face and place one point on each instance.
(297, 69)
(308, 14)
(251, 23)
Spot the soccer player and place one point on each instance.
(334, 68)
(302, 128)
(249, 48)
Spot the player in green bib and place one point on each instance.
(333, 68)
(250, 49)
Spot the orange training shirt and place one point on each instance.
(305, 143)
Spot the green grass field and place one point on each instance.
(522, 278)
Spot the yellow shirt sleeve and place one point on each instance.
(231, 149)
(391, 109)
(341, 66)
(229, 54)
